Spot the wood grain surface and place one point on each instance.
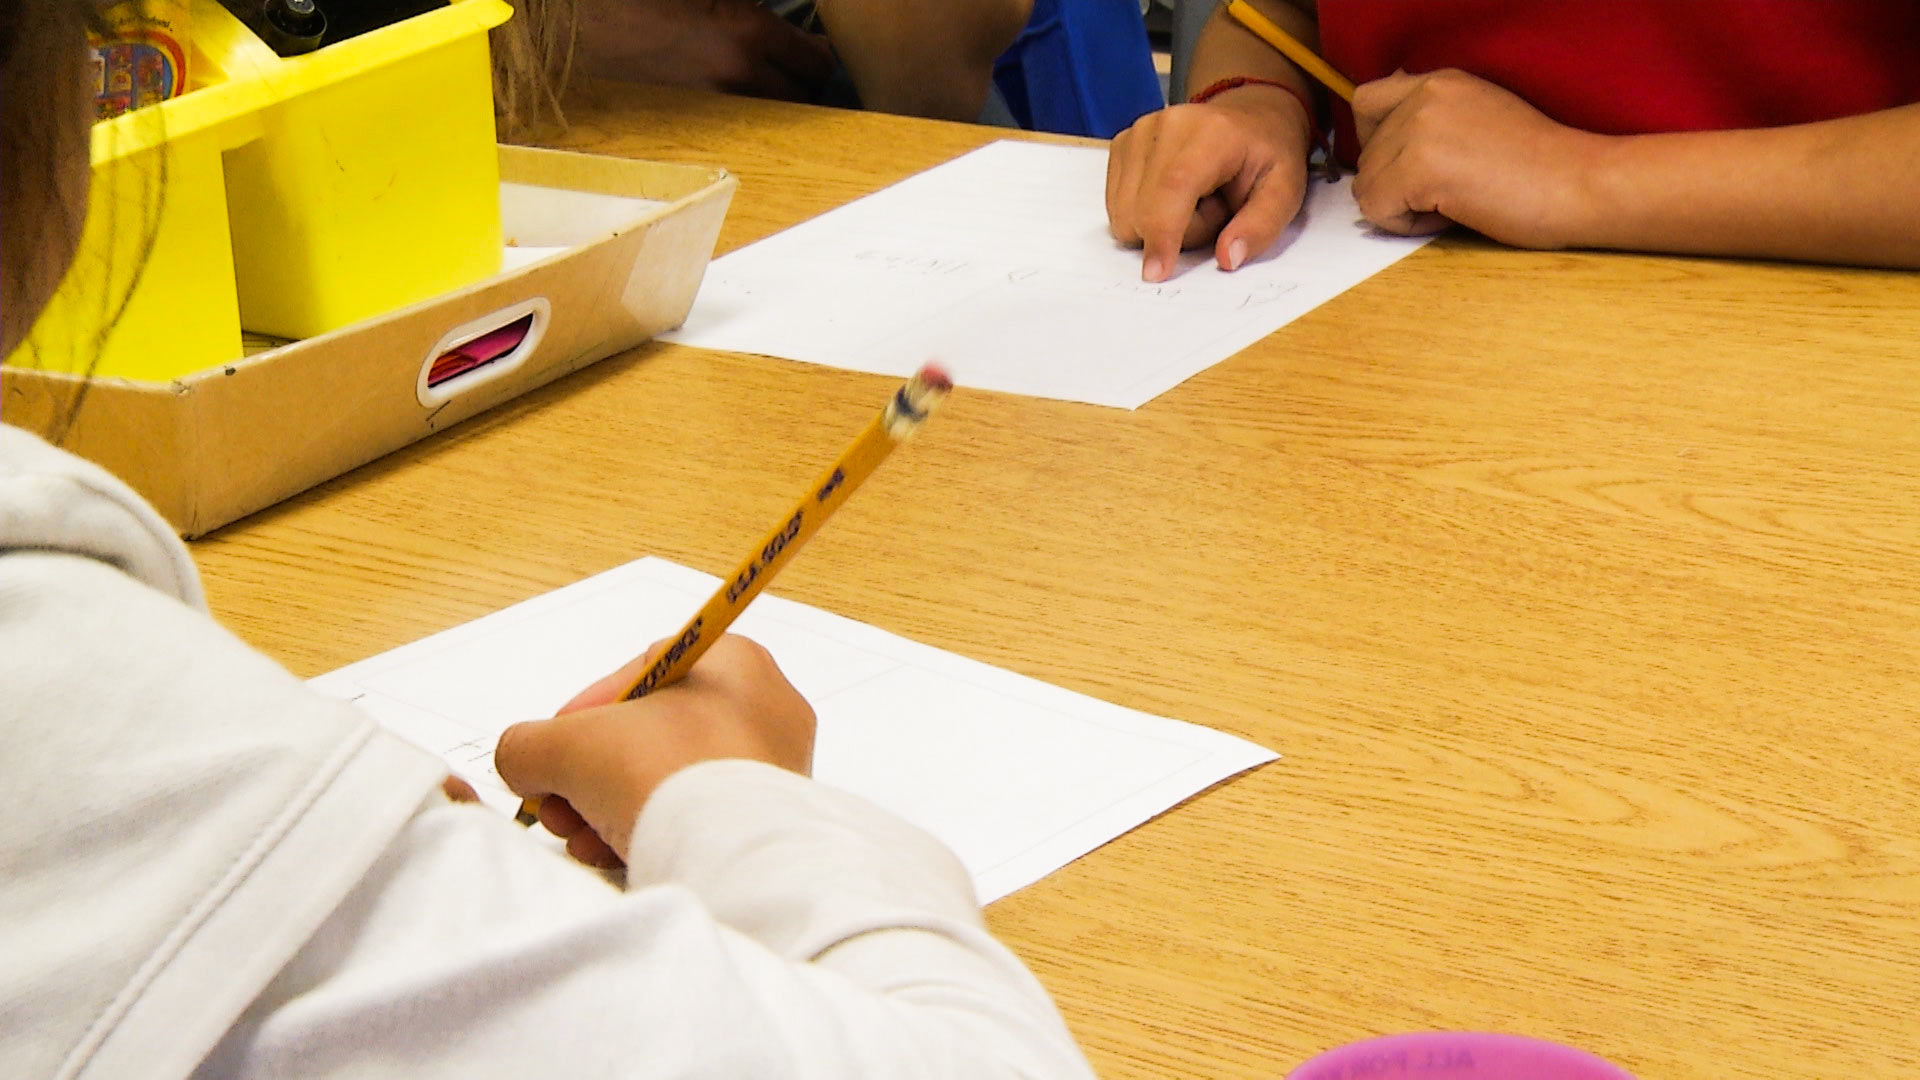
(1580, 592)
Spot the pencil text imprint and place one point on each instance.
(767, 554)
(832, 485)
(667, 659)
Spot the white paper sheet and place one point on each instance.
(1018, 776)
(999, 264)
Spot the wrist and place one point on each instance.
(1277, 102)
(1597, 166)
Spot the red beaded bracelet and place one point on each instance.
(1314, 134)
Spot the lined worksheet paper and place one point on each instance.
(999, 264)
(1018, 776)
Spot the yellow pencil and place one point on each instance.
(1249, 16)
(902, 416)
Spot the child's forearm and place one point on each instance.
(1226, 49)
(1843, 191)
(834, 885)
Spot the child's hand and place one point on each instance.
(1232, 171)
(1448, 147)
(597, 763)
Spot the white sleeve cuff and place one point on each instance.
(795, 864)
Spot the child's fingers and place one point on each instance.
(1271, 204)
(587, 847)
(1209, 216)
(536, 758)
(559, 817)
(1392, 187)
(1415, 223)
(1394, 197)
(1125, 157)
(1373, 102)
(458, 790)
(1176, 178)
(1116, 158)
(1381, 181)
(1385, 142)
(582, 769)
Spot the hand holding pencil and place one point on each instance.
(1446, 147)
(598, 762)
(1436, 148)
(671, 660)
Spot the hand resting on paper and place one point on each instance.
(1231, 172)
(1447, 147)
(599, 760)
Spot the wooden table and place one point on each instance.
(1580, 592)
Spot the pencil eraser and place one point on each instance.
(934, 374)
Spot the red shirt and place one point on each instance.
(1633, 66)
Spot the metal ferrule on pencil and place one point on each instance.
(912, 403)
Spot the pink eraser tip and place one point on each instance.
(935, 376)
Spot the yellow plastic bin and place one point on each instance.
(289, 196)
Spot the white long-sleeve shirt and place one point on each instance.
(208, 871)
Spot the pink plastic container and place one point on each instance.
(1462, 1055)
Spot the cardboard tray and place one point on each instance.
(603, 272)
